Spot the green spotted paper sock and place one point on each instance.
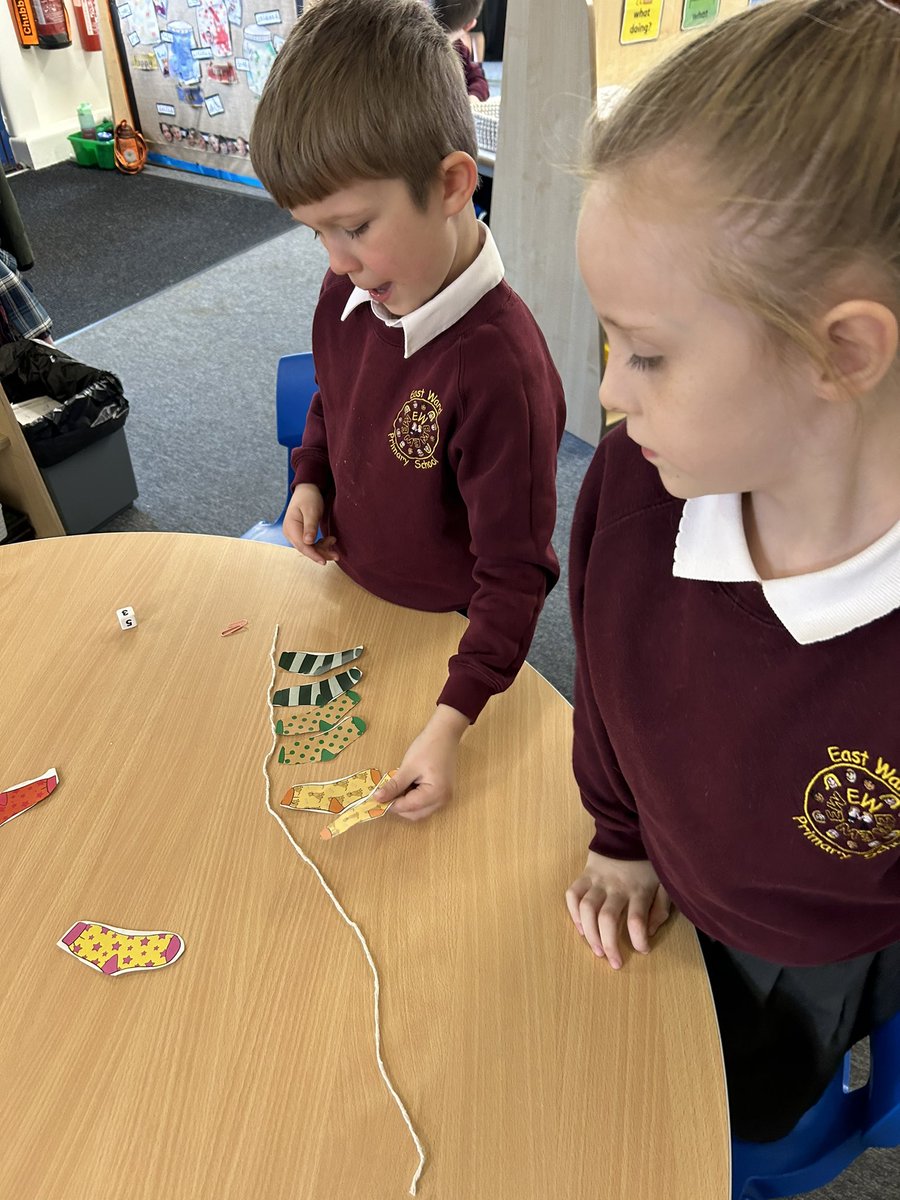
(322, 747)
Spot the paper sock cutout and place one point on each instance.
(364, 810)
(318, 693)
(334, 795)
(119, 951)
(323, 747)
(312, 662)
(316, 720)
(23, 796)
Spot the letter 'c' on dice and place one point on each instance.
(127, 619)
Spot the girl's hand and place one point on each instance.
(613, 888)
(301, 525)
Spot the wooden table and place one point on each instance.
(247, 1068)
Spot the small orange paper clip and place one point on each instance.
(234, 627)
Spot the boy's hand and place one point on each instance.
(424, 780)
(301, 524)
(609, 889)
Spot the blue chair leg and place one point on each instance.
(824, 1141)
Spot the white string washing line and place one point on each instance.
(376, 983)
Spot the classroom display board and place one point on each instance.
(632, 36)
(197, 69)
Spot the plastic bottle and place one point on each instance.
(86, 121)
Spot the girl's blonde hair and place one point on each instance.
(791, 111)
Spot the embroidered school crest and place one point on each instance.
(852, 809)
(416, 432)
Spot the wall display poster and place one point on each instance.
(641, 20)
(201, 65)
(697, 13)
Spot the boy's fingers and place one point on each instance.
(388, 790)
(396, 787)
(293, 529)
(411, 802)
(310, 524)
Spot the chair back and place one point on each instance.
(295, 386)
(835, 1131)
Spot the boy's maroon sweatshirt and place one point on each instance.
(476, 82)
(439, 472)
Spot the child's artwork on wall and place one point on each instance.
(197, 69)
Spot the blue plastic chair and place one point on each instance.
(295, 385)
(834, 1132)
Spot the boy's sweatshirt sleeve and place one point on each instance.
(504, 457)
(604, 792)
(310, 460)
(476, 81)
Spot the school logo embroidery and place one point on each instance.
(416, 432)
(852, 806)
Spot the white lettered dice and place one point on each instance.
(127, 619)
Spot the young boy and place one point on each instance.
(429, 455)
(459, 18)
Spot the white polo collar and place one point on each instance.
(711, 545)
(446, 308)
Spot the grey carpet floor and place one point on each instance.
(198, 364)
(128, 236)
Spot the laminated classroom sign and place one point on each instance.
(641, 21)
(697, 13)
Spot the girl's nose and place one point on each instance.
(617, 393)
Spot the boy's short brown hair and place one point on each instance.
(361, 89)
(455, 15)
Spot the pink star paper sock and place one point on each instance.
(118, 951)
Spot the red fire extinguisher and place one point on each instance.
(88, 25)
(52, 24)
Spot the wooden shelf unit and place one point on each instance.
(21, 484)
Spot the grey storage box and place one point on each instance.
(93, 485)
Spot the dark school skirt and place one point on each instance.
(785, 1030)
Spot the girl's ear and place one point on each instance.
(860, 341)
(459, 177)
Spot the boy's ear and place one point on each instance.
(860, 340)
(471, 25)
(459, 179)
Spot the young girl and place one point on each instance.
(735, 567)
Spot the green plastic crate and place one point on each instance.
(90, 153)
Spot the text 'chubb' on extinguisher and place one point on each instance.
(42, 23)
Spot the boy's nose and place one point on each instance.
(340, 259)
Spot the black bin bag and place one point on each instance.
(90, 403)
